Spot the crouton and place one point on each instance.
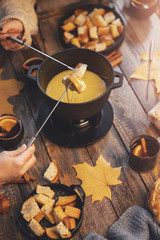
(103, 30)
(30, 209)
(114, 31)
(83, 40)
(75, 41)
(72, 223)
(80, 20)
(107, 39)
(88, 22)
(52, 173)
(93, 32)
(82, 31)
(73, 212)
(109, 17)
(39, 216)
(98, 21)
(101, 47)
(47, 211)
(58, 214)
(62, 230)
(117, 22)
(68, 36)
(51, 233)
(70, 26)
(47, 191)
(120, 29)
(42, 199)
(36, 228)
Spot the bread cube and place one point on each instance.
(36, 228)
(42, 200)
(62, 230)
(70, 26)
(30, 209)
(47, 191)
(63, 200)
(47, 211)
(109, 17)
(52, 173)
(93, 32)
(73, 212)
(80, 20)
(114, 31)
(98, 21)
(51, 233)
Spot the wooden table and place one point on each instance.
(130, 119)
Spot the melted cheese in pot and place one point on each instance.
(95, 87)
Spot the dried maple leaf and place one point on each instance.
(96, 180)
(141, 72)
(8, 88)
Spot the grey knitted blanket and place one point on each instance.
(135, 224)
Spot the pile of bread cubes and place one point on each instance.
(96, 30)
(61, 213)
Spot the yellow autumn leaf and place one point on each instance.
(96, 180)
(141, 72)
(8, 88)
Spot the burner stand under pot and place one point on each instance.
(76, 133)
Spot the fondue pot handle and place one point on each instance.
(30, 71)
(79, 190)
(116, 83)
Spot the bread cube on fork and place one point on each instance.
(75, 79)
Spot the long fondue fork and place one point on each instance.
(34, 138)
(46, 55)
(149, 66)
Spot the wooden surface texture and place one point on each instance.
(130, 119)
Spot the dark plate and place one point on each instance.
(89, 8)
(60, 190)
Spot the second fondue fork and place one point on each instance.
(34, 138)
(44, 54)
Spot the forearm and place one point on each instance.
(22, 10)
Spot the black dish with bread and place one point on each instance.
(95, 26)
(66, 202)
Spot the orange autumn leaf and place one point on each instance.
(96, 181)
(8, 88)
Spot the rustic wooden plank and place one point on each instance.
(139, 86)
(8, 221)
(136, 42)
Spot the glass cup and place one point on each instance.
(11, 131)
(144, 163)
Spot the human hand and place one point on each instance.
(15, 163)
(12, 27)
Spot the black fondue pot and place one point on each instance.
(97, 63)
